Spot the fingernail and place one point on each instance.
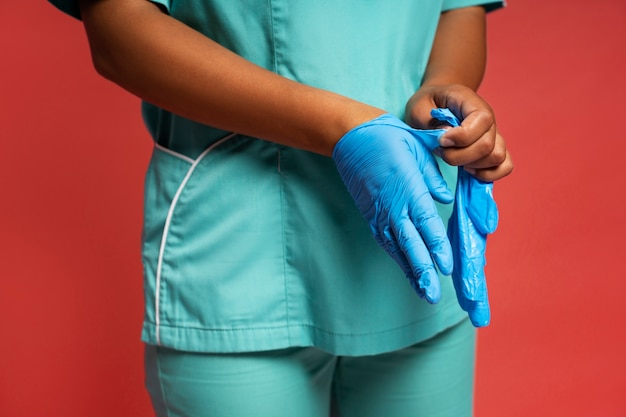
(445, 142)
(470, 171)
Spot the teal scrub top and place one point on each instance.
(249, 245)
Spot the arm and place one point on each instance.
(165, 62)
(454, 72)
(391, 176)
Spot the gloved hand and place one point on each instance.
(474, 216)
(393, 178)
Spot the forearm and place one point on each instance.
(459, 50)
(455, 68)
(167, 63)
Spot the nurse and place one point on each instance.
(286, 203)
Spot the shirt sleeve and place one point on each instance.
(71, 6)
(489, 5)
(67, 6)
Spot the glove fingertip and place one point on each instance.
(433, 297)
(443, 195)
(445, 262)
(480, 320)
(480, 314)
(429, 281)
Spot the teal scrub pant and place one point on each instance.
(432, 378)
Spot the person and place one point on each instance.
(280, 168)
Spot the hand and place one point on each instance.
(393, 179)
(477, 144)
(474, 216)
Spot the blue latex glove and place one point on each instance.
(474, 216)
(393, 178)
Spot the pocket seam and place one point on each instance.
(168, 219)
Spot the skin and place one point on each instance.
(454, 72)
(167, 63)
(161, 60)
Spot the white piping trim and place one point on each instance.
(174, 153)
(168, 220)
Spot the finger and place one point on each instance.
(494, 173)
(475, 124)
(495, 158)
(426, 220)
(480, 313)
(478, 153)
(468, 247)
(435, 183)
(428, 283)
(424, 275)
(472, 245)
(387, 240)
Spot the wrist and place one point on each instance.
(448, 80)
(353, 114)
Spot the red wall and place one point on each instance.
(557, 346)
(72, 156)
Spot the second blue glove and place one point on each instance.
(474, 216)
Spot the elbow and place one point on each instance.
(114, 36)
(98, 34)
(103, 62)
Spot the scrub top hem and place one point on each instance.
(276, 337)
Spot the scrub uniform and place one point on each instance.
(250, 246)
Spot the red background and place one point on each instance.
(73, 153)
